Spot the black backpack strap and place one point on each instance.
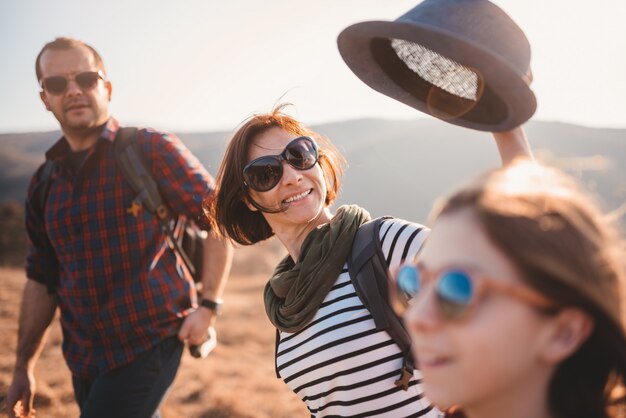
(130, 161)
(136, 172)
(369, 273)
(366, 264)
(38, 201)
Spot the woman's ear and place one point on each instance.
(250, 205)
(570, 328)
(245, 199)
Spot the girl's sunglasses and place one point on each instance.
(264, 173)
(457, 290)
(58, 84)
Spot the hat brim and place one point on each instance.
(506, 101)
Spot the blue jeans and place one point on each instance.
(134, 390)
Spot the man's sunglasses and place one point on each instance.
(57, 84)
(264, 173)
(458, 291)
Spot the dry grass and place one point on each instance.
(237, 380)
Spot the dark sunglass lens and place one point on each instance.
(408, 281)
(455, 291)
(87, 80)
(263, 174)
(301, 154)
(55, 85)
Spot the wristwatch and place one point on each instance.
(214, 305)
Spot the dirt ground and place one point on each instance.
(236, 380)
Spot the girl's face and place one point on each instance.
(301, 192)
(497, 349)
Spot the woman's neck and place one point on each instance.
(292, 237)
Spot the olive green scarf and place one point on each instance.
(296, 290)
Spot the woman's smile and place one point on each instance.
(298, 197)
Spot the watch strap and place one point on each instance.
(214, 305)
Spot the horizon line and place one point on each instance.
(424, 118)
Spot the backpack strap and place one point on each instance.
(38, 201)
(367, 266)
(130, 160)
(136, 172)
(369, 273)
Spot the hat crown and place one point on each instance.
(476, 21)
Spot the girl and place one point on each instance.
(516, 308)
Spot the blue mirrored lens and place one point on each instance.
(455, 291)
(408, 280)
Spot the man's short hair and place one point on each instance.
(65, 43)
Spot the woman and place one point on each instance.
(278, 177)
(517, 295)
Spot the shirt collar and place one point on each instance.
(61, 148)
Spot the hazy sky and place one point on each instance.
(192, 65)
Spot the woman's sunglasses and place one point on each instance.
(458, 291)
(264, 173)
(57, 84)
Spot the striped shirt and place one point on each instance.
(339, 364)
(122, 290)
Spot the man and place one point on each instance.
(126, 300)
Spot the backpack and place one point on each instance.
(183, 236)
(369, 273)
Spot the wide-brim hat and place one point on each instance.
(463, 61)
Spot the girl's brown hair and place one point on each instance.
(228, 213)
(569, 251)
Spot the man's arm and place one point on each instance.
(218, 255)
(184, 184)
(512, 144)
(36, 314)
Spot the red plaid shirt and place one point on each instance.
(121, 289)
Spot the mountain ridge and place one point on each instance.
(396, 167)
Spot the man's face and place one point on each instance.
(78, 109)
